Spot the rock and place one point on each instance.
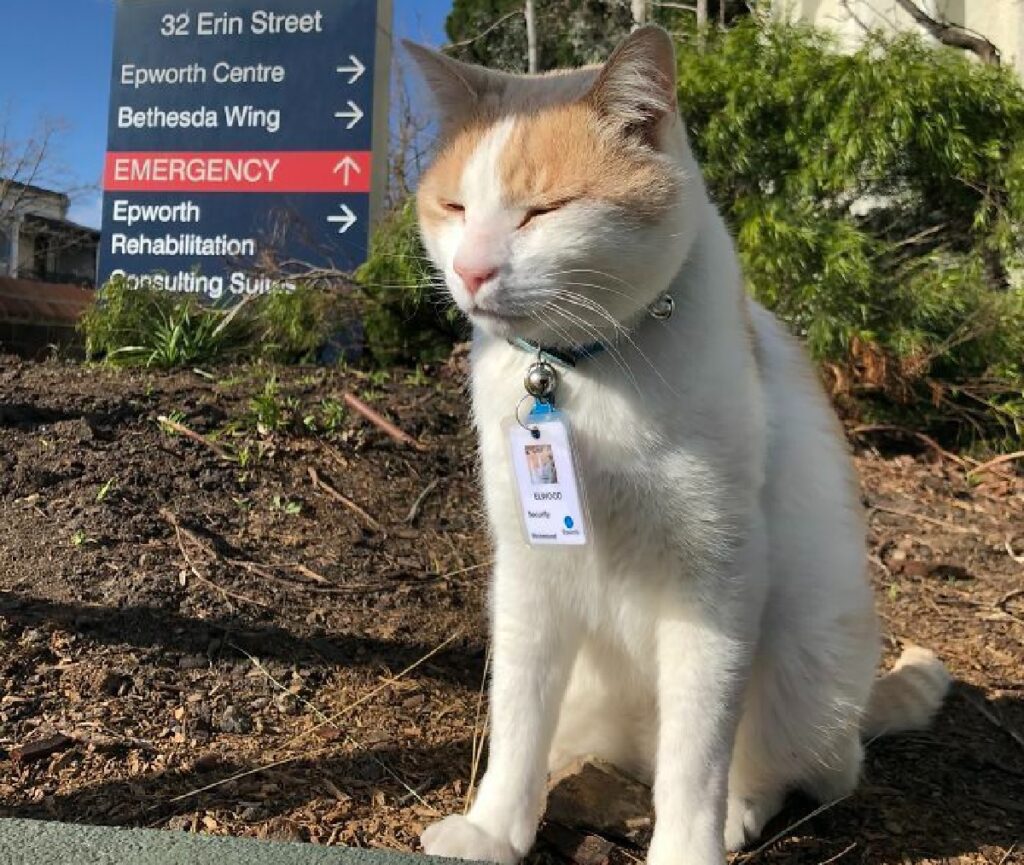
(280, 829)
(234, 720)
(193, 662)
(32, 751)
(577, 847)
(591, 794)
(113, 684)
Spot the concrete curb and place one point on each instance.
(33, 842)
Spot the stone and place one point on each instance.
(593, 795)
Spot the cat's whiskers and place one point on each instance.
(621, 329)
(612, 351)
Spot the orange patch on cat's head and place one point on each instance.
(569, 152)
(442, 179)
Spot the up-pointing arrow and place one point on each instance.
(357, 69)
(346, 166)
(353, 115)
(345, 220)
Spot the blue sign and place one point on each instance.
(246, 137)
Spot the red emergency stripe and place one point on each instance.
(228, 171)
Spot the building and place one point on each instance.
(38, 242)
(47, 270)
(999, 21)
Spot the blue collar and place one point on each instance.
(566, 357)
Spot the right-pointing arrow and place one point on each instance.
(353, 115)
(346, 166)
(357, 69)
(345, 220)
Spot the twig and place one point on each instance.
(1005, 599)
(989, 716)
(482, 33)
(382, 422)
(998, 461)
(196, 437)
(921, 437)
(330, 721)
(1006, 855)
(953, 527)
(478, 744)
(347, 502)
(310, 573)
(1009, 549)
(780, 835)
(839, 855)
(415, 509)
(180, 532)
(316, 710)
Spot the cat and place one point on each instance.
(716, 633)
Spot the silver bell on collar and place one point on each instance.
(662, 308)
(541, 380)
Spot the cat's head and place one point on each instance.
(557, 204)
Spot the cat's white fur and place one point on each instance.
(718, 635)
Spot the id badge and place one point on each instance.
(545, 474)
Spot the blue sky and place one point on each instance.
(55, 58)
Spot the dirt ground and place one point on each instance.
(231, 648)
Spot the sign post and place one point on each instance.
(245, 137)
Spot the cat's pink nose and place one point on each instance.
(474, 277)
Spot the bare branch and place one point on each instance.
(451, 46)
(952, 34)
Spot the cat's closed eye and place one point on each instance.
(453, 206)
(533, 212)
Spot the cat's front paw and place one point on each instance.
(460, 838)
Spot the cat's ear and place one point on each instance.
(636, 87)
(458, 88)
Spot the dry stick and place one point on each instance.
(478, 747)
(196, 437)
(926, 439)
(329, 722)
(347, 502)
(953, 527)
(260, 570)
(1006, 855)
(316, 710)
(310, 573)
(838, 855)
(180, 533)
(988, 715)
(415, 509)
(998, 461)
(747, 857)
(379, 420)
(1009, 550)
(1001, 604)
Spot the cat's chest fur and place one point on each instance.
(661, 486)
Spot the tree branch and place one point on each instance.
(952, 34)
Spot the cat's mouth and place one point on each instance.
(494, 316)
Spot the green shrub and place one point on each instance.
(407, 317)
(149, 327)
(291, 326)
(878, 202)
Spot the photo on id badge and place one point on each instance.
(541, 461)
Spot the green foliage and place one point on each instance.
(878, 203)
(406, 315)
(291, 326)
(148, 327)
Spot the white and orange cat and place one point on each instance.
(717, 633)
